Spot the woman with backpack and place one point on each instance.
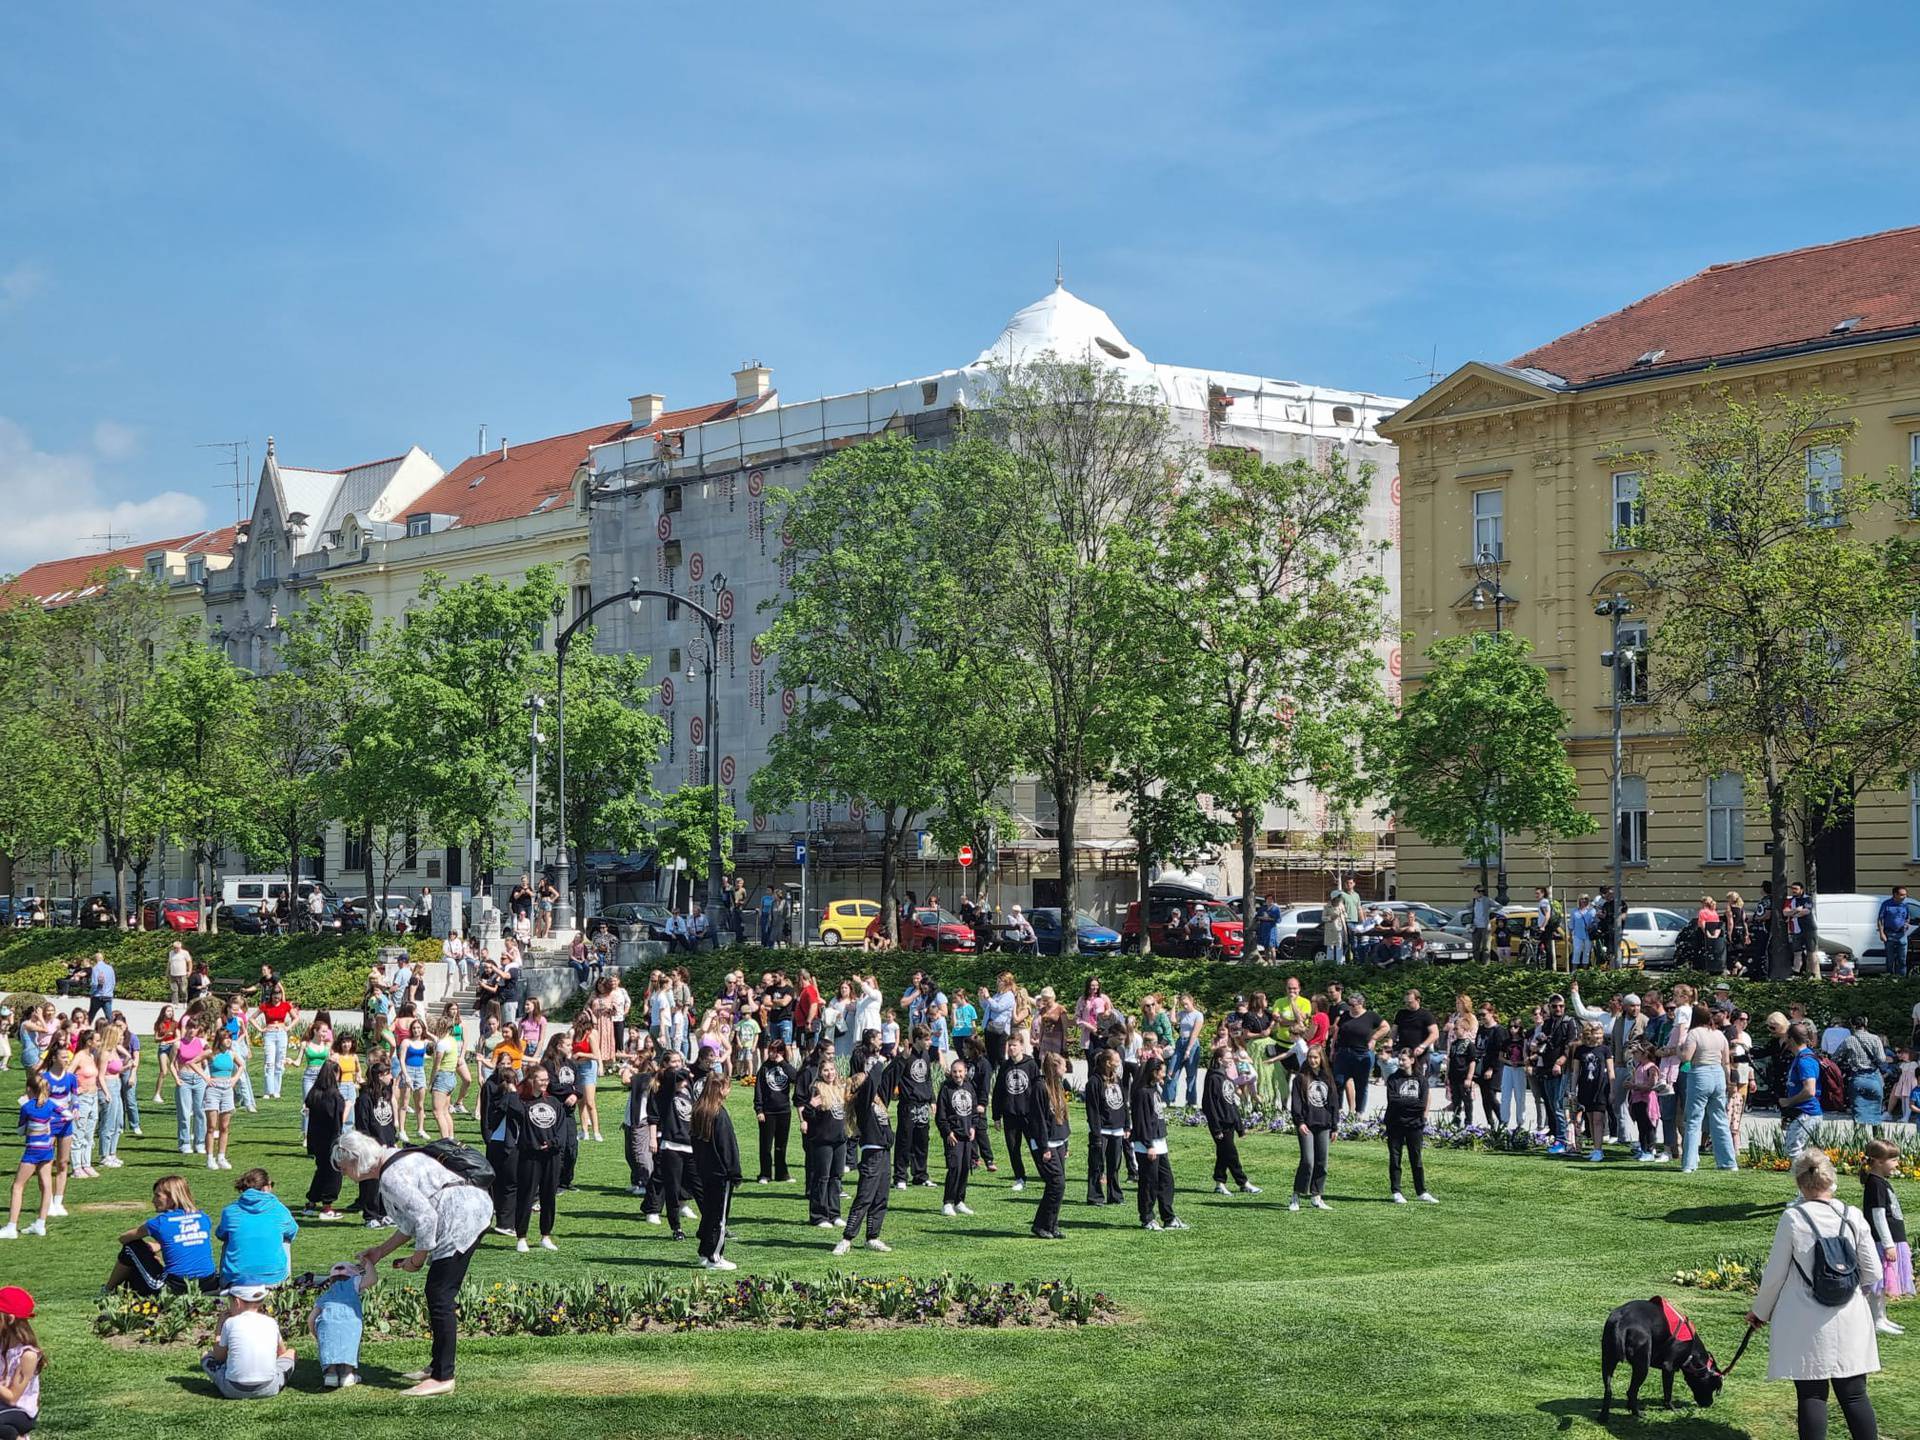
(443, 1215)
(1813, 1293)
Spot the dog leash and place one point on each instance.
(1752, 1330)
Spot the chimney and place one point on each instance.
(503, 447)
(752, 381)
(647, 409)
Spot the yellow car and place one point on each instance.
(845, 922)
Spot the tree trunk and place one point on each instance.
(117, 854)
(1246, 819)
(1779, 956)
(1067, 803)
(889, 873)
(375, 903)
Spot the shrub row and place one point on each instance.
(590, 1307)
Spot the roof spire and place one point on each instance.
(1058, 273)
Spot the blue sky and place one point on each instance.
(358, 227)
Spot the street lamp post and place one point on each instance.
(563, 920)
(1487, 588)
(535, 704)
(1614, 609)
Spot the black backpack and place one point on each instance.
(463, 1161)
(1836, 1268)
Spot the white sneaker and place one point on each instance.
(722, 1264)
(1429, 1198)
(948, 1210)
(498, 1230)
(546, 1243)
(843, 1247)
(654, 1219)
(1018, 1185)
(349, 1377)
(1887, 1327)
(899, 1184)
(213, 1162)
(57, 1211)
(521, 1246)
(1153, 1225)
(963, 1207)
(200, 1149)
(1320, 1204)
(9, 1232)
(1294, 1204)
(1249, 1189)
(186, 1149)
(879, 1245)
(39, 1227)
(1221, 1190)
(1398, 1198)
(826, 1224)
(687, 1212)
(112, 1162)
(762, 1181)
(138, 1131)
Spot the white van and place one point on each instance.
(1850, 923)
(263, 889)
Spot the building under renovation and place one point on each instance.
(690, 515)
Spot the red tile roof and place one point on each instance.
(66, 578)
(486, 488)
(1728, 311)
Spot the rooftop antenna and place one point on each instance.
(240, 457)
(111, 540)
(1058, 272)
(1432, 374)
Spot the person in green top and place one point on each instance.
(1350, 900)
(1155, 1021)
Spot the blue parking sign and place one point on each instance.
(799, 852)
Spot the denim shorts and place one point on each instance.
(415, 1079)
(443, 1082)
(586, 1073)
(219, 1100)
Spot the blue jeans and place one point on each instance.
(1185, 1062)
(1336, 943)
(1513, 1096)
(1707, 1100)
(1798, 1133)
(1670, 1120)
(1868, 1093)
(190, 1108)
(273, 1045)
(1557, 1107)
(1897, 954)
(113, 1115)
(782, 1031)
(130, 1097)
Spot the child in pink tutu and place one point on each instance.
(1900, 1098)
(1882, 1209)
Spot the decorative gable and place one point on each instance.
(1473, 389)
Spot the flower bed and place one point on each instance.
(1739, 1273)
(1449, 1134)
(594, 1308)
(1845, 1144)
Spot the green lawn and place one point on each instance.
(1480, 1317)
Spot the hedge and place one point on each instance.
(319, 970)
(1127, 979)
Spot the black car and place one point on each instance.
(244, 918)
(650, 914)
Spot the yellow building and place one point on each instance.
(1510, 464)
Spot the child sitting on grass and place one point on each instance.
(337, 1323)
(249, 1359)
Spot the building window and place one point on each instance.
(1824, 476)
(670, 499)
(1631, 663)
(1633, 820)
(1913, 816)
(1913, 475)
(1726, 820)
(197, 570)
(582, 600)
(410, 846)
(673, 661)
(269, 562)
(670, 554)
(419, 525)
(1628, 512)
(673, 611)
(353, 853)
(1489, 529)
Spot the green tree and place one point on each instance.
(198, 742)
(1476, 750)
(41, 794)
(1274, 602)
(1779, 641)
(683, 832)
(613, 742)
(1093, 461)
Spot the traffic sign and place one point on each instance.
(799, 852)
(923, 844)
(965, 857)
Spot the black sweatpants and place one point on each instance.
(14, 1422)
(538, 1179)
(1226, 1158)
(1016, 1142)
(1051, 1162)
(1410, 1138)
(870, 1200)
(444, 1278)
(1851, 1392)
(569, 1155)
(676, 1169)
(368, 1201)
(823, 1182)
(1460, 1097)
(639, 1155)
(1310, 1178)
(325, 1188)
(506, 1180)
(714, 1204)
(959, 1166)
(773, 1144)
(1105, 1165)
(1488, 1084)
(982, 1137)
(910, 1142)
(1156, 1186)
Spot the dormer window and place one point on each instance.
(269, 564)
(419, 525)
(196, 569)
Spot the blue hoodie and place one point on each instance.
(254, 1233)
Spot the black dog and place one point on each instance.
(1652, 1335)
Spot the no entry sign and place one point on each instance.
(965, 857)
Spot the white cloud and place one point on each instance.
(55, 508)
(20, 284)
(116, 441)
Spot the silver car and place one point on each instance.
(1655, 932)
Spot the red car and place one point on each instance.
(170, 915)
(929, 929)
(1228, 933)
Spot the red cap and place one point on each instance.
(16, 1302)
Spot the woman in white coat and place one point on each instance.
(1814, 1345)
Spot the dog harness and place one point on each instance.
(1681, 1327)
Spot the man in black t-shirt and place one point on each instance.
(779, 1001)
(1414, 1027)
(1556, 1045)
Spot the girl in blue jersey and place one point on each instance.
(61, 1086)
(37, 1116)
(415, 1050)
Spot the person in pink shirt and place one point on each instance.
(1094, 1007)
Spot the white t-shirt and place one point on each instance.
(253, 1347)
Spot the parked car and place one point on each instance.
(247, 917)
(1654, 931)
(650, 914)
(1300, 933)
(1441, 943)
(1229, 935)
(65, 912)
(1850, 923)
(1090, 936)
(927, 928)
(398, 908)
(845, 922)
(96, 913)
(170, 915)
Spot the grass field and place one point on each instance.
(1479, 1317)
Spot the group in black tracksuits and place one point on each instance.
(980, 1077)
(716, 1160)
(1227, 1123)
(823, 1139)
(1313, 1105)
(1406, 1119)
(1047, 1130)
(867, 1099)
(502, 1112)
(673, 1170)
(1147, 1117)
(913, 1076)
(540, 1122)
(1107, 1124)
(773, 1108)
(956, 1115)
(1016, 1085)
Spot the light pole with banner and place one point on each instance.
(1613, 610)
(634, 594)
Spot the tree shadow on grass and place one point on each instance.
(1723, 1214)
(1684, 1422)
